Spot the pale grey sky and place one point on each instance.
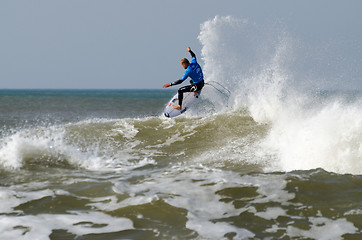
(117, 44)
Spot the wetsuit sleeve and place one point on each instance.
(186, 75)
(176, 82)
(192, 54)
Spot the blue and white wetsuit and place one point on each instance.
(193, 71)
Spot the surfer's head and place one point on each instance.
(184, 63)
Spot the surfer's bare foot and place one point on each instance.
(195, 93)
(178, 107)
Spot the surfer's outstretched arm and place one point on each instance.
(191, 52)
(176, 82)
(172, 84)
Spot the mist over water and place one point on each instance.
(263, 154)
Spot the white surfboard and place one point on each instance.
(188, 100)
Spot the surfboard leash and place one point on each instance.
(227, 90)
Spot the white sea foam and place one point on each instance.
(42, 143)
(357, 211)
(271, 188)
(41, 226)
(329, 137)
(272, 213)
(194, 188)
(324, 229)
(14, 196)
(88, 144)
(178, 189)
(126, 129)
(9, 200)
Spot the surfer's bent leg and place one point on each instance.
(181, 93)
(189, 88)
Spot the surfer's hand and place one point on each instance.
(166, 85)
(188, 49)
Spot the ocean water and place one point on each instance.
(255, 158)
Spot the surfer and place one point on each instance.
(194, 71)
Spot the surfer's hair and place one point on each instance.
(185, 60)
